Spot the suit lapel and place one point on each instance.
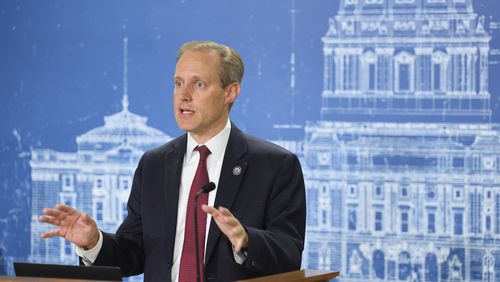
(232, 173)
(173, 169)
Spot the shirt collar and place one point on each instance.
(216, 145)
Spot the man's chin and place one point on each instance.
(184, 126)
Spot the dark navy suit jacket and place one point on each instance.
(267, 197)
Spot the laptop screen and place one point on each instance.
(110, 273)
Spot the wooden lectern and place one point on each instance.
(294, 276)
(309, 275)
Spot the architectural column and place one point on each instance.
(339, 72)
(469, 71)
(454, 69)
(483, 70)
(328, 70)
(348, 68)
(384, 69)
(473, 63)
(357, 69)
(423, 70)
(463, 71)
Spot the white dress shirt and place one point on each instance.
(217, 146)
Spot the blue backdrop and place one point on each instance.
(392, 106)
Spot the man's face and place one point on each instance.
(201, 105)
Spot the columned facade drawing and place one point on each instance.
(96, 178)
(402, 174)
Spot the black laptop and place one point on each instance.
(109, 273)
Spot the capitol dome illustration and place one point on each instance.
(96, 178)
(121, 128)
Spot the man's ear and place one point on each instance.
(232, 92)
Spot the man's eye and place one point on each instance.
(177, 83)
(199, 84)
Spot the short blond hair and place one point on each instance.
(231, 64)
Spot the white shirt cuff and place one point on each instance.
(89, 256)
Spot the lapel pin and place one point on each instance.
(237, 170)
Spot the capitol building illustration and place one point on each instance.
(402, 171)
(96, 178)
(402, 174)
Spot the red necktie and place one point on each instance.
(187, 272)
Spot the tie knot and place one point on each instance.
(204, 152)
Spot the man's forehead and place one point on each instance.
(202, 55)
(196, 62)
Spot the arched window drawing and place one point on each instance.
(352, 218)
(488, 267)
(369, 62)
(404, 266)
(379, 220)
(455, 269)
(405, 68)
(431, 268)
(458, 221)
(431, 221)
(355, 263)
(336, 208)
(439, 71)
(379, 264)
(324, 257)
(404, 217)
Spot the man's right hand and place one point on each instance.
(77, 227)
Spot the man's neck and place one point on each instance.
(205, 137)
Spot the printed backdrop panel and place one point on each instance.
(391, 106)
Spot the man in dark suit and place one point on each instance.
(254, 220)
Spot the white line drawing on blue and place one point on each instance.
(96, 178)
(402, 172)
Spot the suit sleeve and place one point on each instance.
(125, 248)
(278, 247)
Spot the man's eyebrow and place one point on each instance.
(192, 78)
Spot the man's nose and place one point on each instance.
(184, 93)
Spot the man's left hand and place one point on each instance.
(229, 225)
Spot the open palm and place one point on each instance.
(75, 226)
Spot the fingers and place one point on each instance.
(229, 225)
(51, 212)
(221, 214)
(49, 220)
(52, 217)
(209, 209)
(60, 216)
(225, 211)
(59, 211)
(52, 233)
(65, 208)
